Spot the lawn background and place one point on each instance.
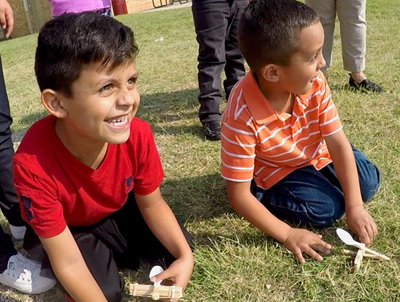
(233, 260)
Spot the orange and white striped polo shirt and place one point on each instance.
(259, 142)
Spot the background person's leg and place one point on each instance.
(353, 31)
(8, 196)
(326, 10)
(6, 250)
(234, 67)
(211, 21)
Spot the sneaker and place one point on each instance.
(27, 276)
(212, 130)
(18, 232)
(365, 86)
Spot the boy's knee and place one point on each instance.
(370, 185)
(113, 290)
(369, 176)
(327, 215)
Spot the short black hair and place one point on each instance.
(269, 31)
(70, 41)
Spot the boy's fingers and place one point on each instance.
(322, 248)
(9, 25)
(158, 277)
(3, 20)
(364, 237)
(374, 229)
(299, 255)
(313, 254)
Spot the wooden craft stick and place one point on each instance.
(366, 255)
(155, 292)
(358, 259)
(376, 253)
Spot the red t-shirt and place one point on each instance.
(55, 189)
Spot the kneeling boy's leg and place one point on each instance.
(99, 259)
(97, 255)
(368, 175)
(141, 241)
(304, 196)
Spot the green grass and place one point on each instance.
(233, 260)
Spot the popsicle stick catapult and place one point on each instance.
(156, 291)
(362, 250)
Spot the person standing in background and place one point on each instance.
(16, 270)
(216, 23)
(353, 32)
(59, 7)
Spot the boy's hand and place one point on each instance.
(361, 223)
(6, 17)
(301, 241)
(178, 273)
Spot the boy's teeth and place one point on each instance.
(117, 120)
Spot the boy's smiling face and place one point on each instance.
(306, 63)
(101, 107)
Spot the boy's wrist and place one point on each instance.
(352, 206)
(284, 235)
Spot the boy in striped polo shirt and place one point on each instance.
(284, 153)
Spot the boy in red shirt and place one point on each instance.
(284, 153)
(88, 175)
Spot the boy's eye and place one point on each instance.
(315, 57)
(132, 81)
(105, 88)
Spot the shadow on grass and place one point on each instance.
(197, 198)
(176, 112)
(25, 123)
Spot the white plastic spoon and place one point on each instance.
(347, 239)
(155, 271)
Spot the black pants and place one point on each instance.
(8, 197)
(6, 249)
(121, 240)
(216, 23)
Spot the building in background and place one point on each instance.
(30, 15)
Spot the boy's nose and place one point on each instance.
(126, 98)
(322, 62)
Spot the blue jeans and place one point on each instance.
(315, 197)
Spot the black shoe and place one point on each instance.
(365, 86)
(212, 130)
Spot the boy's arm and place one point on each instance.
(70, 268)
(163, 224)
(298, 241)
(358, 219)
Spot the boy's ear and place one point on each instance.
(270, 73)
(51, 100)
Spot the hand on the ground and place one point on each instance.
(6, 17)
(302, 241)
(361, 223)
(178, 273)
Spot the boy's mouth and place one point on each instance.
(118, 122)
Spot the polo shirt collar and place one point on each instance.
(256, 102)
(260, 108)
